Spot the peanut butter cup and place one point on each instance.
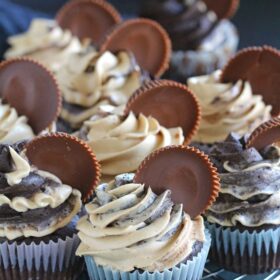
(266, 134)
(223, 8)
(32, 90)
(186, 171)
(67, 157)
(88, 18)
(146, 39)
(261, 67)
(171, 103)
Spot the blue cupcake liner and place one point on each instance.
(233, 240)
(191, 270)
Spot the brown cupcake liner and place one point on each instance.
(223, 8)
(37, 120)
(111, 17)
(186, 171)
(261, 67)
(67, 157)
(118, 39)
(266, 134)
(145, 100)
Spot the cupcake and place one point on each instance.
(110, 76)
(147, 226)
(244, 220)
(53, 42)
(39, 207)
(240, 97)
(203, 39)
(161, 113)
(29, 100)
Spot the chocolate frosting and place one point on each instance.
(250, 184)
(188, 24)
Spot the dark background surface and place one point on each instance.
(258, 21)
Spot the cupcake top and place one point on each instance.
(54, 42)
(136, 225)
(95, 79)
(190, 24)
(35, 202)
(29, 100)
(227, 107)
(151, 121)
(250, 192)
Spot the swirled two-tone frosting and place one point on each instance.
(92, 80)
(250, 185)
(129, 227)
(46, 42)
(33, 203)
(190, 25)
(121, 143)
(13, 128)
(226, 107)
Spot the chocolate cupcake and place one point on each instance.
(54, 42)
(39, 208)
(161, 113)
(244, 221)
(202, 38)
(135, 230)
(240, 97)
(29, 100)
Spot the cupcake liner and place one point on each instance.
(249, 252)
(185, 64)
(51, 255)
(192, 269)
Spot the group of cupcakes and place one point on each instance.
(105, 163)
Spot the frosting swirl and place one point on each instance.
(46, 42)
(121, 143)
(226, 108)
(250, 184)
(12, 127)
(188, 23)
(32, 202)
(128, 227)
(94, 79)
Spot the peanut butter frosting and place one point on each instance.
(121, 143)
(129, 227)
(226, 108)
(250, 184)
(13, 127)
(95, 79)
(46, 42)
(33, 203)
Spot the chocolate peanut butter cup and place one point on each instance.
(67, 157)
(266, 134)
(146, 39)
(171, 103)
(223, 8)
(261, 67)
(186, 171)
(88, 18)
(32, 90)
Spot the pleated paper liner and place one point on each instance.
(67, 157)
(261, 67)
(266, 134)
(88, 19)
(146, 39)
(223, 8)
(171, 103)
(186, 171)
(32, 90)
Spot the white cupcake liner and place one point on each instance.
(185, 64)
(227, 239)
(52, 255)
(191, 270)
